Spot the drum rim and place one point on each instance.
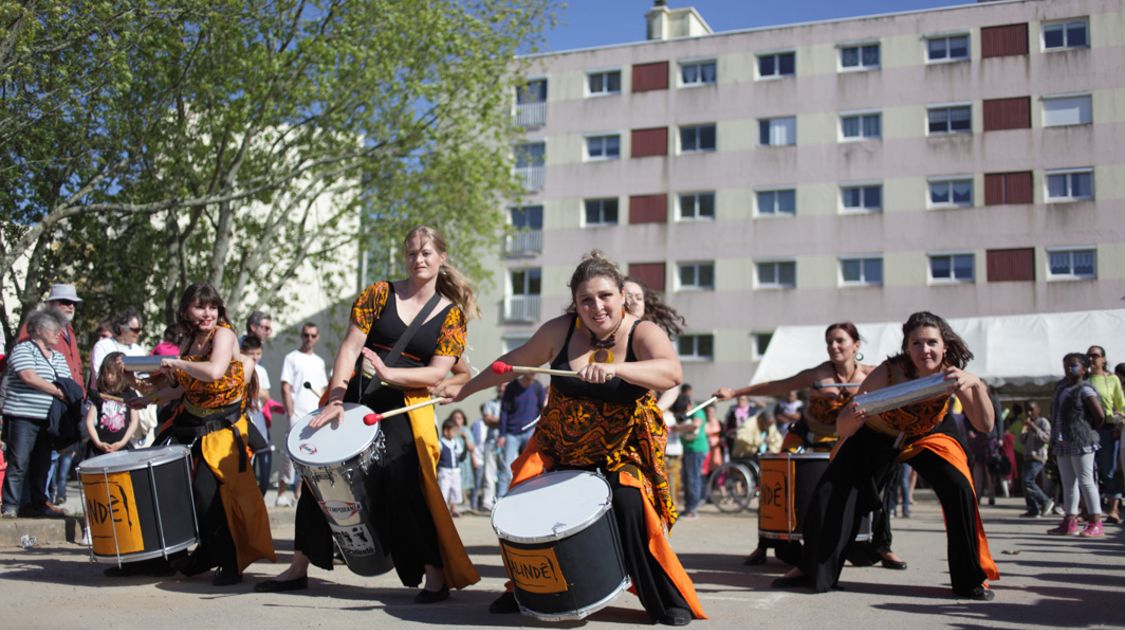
(580, 613)
(126, 558)
(569, 531)
(376, 430)
(175, 452)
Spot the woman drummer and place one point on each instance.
(920, 433)
(606, 419)
(209, 388)
(417, 529)
(831, 386)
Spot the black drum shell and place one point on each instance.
(807, 473)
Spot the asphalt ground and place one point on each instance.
(1046, 581)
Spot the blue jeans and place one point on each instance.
(29, 456)
(1106, 461)
(1034, 496)
(514, 443)
(59, 473)
(693, 480)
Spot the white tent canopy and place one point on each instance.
(1009, 350)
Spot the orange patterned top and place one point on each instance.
(228, 390)
(916, 419)
(369, 305)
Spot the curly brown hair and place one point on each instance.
(659, 313)
(957, 354)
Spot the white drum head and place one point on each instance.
(551, 506)
(332, 443)
(120, 461)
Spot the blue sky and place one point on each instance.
(586, 23)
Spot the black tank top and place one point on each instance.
(614, 391)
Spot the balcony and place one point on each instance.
(532, 177)
(521, 308)
(531, 114)
(524, 243)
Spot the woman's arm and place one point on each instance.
(91, 427)
(668, 398)
(1094, 408)
(134, 419)
(342, 372)
(658, 366)
(411, 377)
(537, 351)
(973, 394)
(852, 417)
(223, 348)
(31, 378)
(800, 380)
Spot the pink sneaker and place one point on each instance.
(1093, 529)
(1068, 527)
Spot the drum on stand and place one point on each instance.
(788, 481)
(561, 549)
(139, 504)
(338, 460)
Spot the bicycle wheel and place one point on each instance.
(731, 487)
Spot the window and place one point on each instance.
(531, 103)
(862, 198)
(1067, 110)
(859, 57)
(527, 218)
(534, 91)
(601, 212)
(1072, 264)
(648, 209)
(522, 303)
(774, 132)
(697, 206)
(650, 142)
(1062, 35)
(650, 76)
(777, 202)
(697, 138)
(1001, 41)
(1010, 265)
(603, 83)
(952, 119)
(1070, 185)
(526, 281)
(651, 274)
(777, 275)
(861, 126)
(951, 268)
(861, 271)
(697, 73)
(530, 159)
(761, 344)
(945, 49)
(700, 276)
(1007, 113)
(951, 193)
(527, 231)
(777, 65)
(603, 147)
(696, 347)
(1005, 188)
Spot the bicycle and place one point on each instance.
(734, 484)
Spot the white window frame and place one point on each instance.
(695, 356)
(757, 353)
(777, 65)
(950, 180)
(1053, 277)
(862, 260)
(770, 123)
(697, 128)
(696, 62)
(844, 209)
(528, 272)
(603, 138)
(861, 115)
(607, 92)
(698, 265)
(947, 37)
(950, 131)
(1064, 24)
(586, 223)
(1070, 196)
(697, 195)
(952, 268)
(760, 284)
(1089, 98)
(775, 213)
(860, 67)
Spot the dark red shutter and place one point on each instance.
(650, 76)
(999, 41)
(648, 142)
(651, 274)
(1007, 113)
(1011, 265)
(1004, 188)
(648, 208)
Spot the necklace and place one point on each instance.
(840, 378)
(602, 352)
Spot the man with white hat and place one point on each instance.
(63, 299)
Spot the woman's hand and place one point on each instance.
(332, 412)
(724, 393)
(372, 364)
(850, 420)
(963, 381)
(596, 373)
(447, 392)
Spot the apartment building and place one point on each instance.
(967, 160)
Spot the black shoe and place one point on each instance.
(790, 581)
(188, 565)
(758, 556)
(432, 597)
(282, 586)
(897, 565)
(980, 594)
(226, 577)
(506, 604)
(125, 570)
(676, 617)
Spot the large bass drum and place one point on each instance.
(787, 486)
(338, 462)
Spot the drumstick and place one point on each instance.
(499, 367)
(309, 387)
(706, 403)
(372, 418)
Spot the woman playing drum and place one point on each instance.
(831, 386)
(209, 381)
(417, 530)
(920, 433)
(606, 419)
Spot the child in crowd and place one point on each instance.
(449, 465)
(110, 422)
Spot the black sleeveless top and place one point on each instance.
(615, 390)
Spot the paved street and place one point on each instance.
(1046, 581)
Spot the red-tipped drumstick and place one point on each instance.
(499, 367)
(372, 418)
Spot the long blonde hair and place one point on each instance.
(450, 281)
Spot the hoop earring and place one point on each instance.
(859, 356)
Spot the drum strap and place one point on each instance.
(400, 344)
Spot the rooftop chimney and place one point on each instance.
(665, 23)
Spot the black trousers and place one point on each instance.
(216, 545)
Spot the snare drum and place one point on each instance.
(139, 503)
(559, 540)
(338, 460)
(788, 481)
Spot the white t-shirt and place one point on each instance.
(255, 414)
(300, 368)
(674, 447)
(104, 346)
